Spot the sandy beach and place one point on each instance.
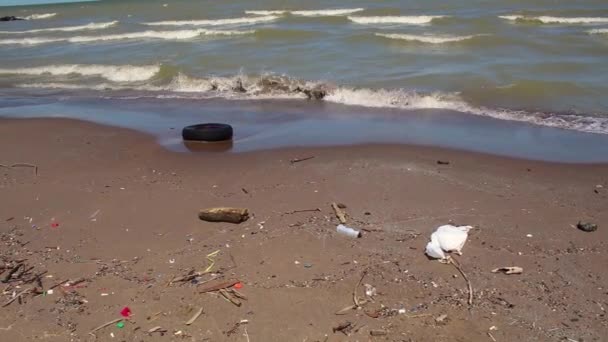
(114, 208)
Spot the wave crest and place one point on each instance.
(40, 16)
(271, 86)
(431, 39)
(163, 35)
(215, 22)
(556, 20)
(115, 73)
(91, 26)
(410, 20)
(310, 13)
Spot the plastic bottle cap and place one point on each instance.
(120, 325)
(238, 286)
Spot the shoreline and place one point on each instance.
(114, 207)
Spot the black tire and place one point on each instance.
(207, 132)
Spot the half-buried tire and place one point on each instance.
(207, 132)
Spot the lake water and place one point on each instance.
(521, 78)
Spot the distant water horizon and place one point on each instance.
(537, 63)
(15, 3)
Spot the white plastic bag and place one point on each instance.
(447, 238)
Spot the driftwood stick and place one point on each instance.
(302, 211)
(105, 325)
(297, 160)
(339, 213)
(196, 314)
(464, 275)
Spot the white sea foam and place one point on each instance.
(431, 39)
(327, 12)
(164, 35)
(598, 31)
(91, 26)
(411, 20)
(114, 73)
(310, 13)
(216, 22)
(40, 16)
(557, 20)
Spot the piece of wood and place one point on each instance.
(215, 286)
(92, 332)
(339, 213)
(231, 298)
(302, 211)
(196, 314)
(11, 272)
(378, 332)
(509, 270)
(297, 160)
(157, 329)
(220, 214)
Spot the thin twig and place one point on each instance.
(297, 160)
(301, 211)
(355, 298)
(464, 275)
(492, 337)
(105, 325)
(16, 296)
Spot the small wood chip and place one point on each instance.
(509, 270)
(339, 213)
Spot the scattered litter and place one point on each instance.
(296, 262)
(529, 235)
(196, 314)
(443, 162)
(158, 329)
(112, 335)
(370, 291)
(54, 224)
(125, 312)
(93, 216)
(120, 325)
(447, 238)
(401, 311)
(441, 318)
(344, 230)
(49, 292)
(586, 226)
(492, 328)
(307, 265)
(344, 328)
(231, 215)
(172, 261)
(509, 270)
(238, 286)
(217, 285)
(339, 213)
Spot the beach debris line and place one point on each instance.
(586, 226)
(509, 270)
(447, 238)
(223, 214)
(348, 231)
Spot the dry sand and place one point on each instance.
(125, 214)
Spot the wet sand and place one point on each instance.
(112, 206)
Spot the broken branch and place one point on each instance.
(339, 213)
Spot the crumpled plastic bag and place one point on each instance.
(447, 238)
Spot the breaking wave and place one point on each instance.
(310, 13)
(271, 86)
(411, 20)
(216, 22)
(91, 26)
(431, 39)
(163, 35)
(598, 31)
(40, 16)
(114, 73)
(556, 20)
